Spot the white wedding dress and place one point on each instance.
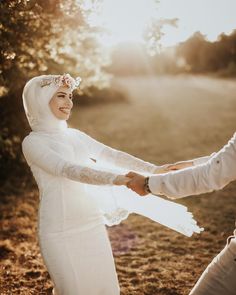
(77, 199)
(72, 235)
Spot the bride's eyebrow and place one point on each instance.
(61, 92)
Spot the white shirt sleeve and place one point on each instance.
(38, 153)
(102, 152)
(212, 175)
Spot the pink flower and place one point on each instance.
(61, 80)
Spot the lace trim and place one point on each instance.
(88, 175)
(116, 216)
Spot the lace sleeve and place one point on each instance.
(38, 153)
(102, 152)
(87, 175)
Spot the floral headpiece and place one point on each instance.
(61, 80)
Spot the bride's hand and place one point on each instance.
(172, 167)
(121, 180)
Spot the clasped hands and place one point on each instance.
(136, 181)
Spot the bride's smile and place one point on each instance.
(65, 110)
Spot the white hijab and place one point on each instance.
(37, 94)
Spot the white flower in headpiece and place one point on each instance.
(62, 80)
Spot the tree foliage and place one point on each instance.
(48, 36)
(202, 56)
(40, 37)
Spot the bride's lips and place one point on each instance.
(65, 110)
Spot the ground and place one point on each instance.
(162, 120)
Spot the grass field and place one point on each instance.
(162, 120)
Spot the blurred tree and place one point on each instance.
(202, 56)
(44, 36)
(39, 37)
(154, 32)
(226, 49)
(191, 50)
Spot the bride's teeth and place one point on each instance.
(64, 110)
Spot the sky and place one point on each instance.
(211, 17)
(126, 18)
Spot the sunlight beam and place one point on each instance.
(124, 20)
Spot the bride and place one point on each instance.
(79, 196)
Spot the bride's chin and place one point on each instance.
(65, 116)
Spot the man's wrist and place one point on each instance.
(146, 185)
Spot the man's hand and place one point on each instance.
(137, 183)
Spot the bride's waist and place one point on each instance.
(65, 227)
(62, 185)
(67, 204)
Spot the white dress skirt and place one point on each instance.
(77, 200)
(81, 262)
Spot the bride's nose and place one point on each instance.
(69, 102)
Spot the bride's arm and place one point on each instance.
(41, 155)
(118, 158)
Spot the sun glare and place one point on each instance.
(124, 20)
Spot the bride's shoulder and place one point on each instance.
(31, 138)
(76, 132)
(73, 130)
(27, 139)
(80, 136)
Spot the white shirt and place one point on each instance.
(208, 174)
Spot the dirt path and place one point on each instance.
(163, 120)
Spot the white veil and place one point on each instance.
(117, 202)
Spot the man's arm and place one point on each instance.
(214, 174)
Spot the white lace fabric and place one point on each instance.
(116, 216)
(47, 159)
(87, 175)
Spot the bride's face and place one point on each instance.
(61, 103)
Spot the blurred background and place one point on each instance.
(158, 81)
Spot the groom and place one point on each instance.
(219, 278)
